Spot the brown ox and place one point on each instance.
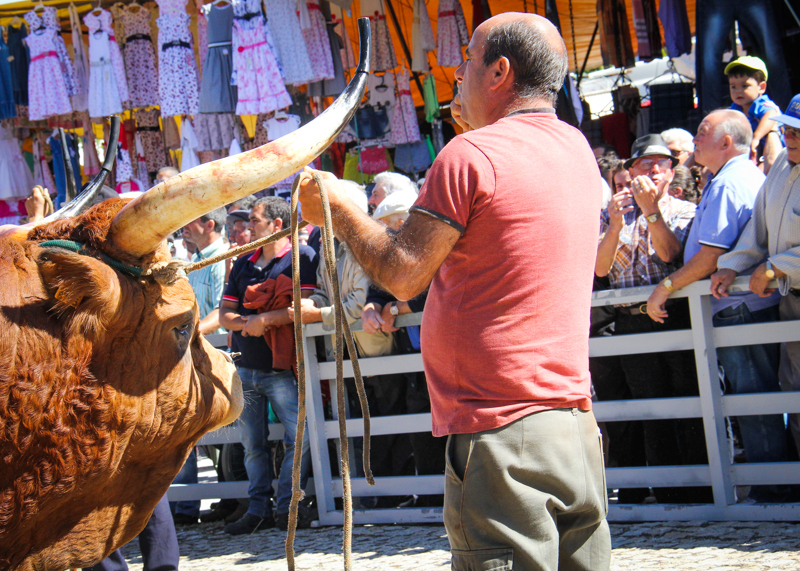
(105, 385)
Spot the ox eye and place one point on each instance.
(184, 330)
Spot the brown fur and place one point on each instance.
(100, 399)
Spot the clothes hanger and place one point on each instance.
(281, 115)
(381, 87)
(97, 9)
(16, 21)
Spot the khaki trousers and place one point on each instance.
(528, 496)
(789, 370)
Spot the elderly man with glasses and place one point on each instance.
(770, 243)
(642, 233)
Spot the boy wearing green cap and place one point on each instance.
(747, 78)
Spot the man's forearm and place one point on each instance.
(210, 323)
(230, 319)
(666, 244)
(607, 252)
(702, 265)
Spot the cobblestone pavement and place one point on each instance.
(693, 546)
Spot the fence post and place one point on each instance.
(705, 354)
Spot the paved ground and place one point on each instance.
(696, 546)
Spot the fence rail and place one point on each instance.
(711, 405)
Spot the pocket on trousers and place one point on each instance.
(501, 559)
(603, 471)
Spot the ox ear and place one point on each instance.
(82, 286)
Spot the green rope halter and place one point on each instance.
(78, 248)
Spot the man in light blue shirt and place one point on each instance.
(722, 145)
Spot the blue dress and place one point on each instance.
(7, 106)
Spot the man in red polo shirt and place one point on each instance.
(505, 231)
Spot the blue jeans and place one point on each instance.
(279, 389)
(754, 369)
(187, 475)
(714, 22)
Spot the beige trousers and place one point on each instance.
(528, 496)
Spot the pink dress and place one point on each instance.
(382, 58)
(108, 87)
(405, 126)
(49, 20)
(452, 33)
(261, 88)
(318, 43)
(47, 90)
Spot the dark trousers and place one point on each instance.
(664, 375)
(157, 542)
(715, 20)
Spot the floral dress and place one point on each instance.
(405, 126)
(261, 88)
(147, 128)
(177, 67)
(108, 87)
(47, 88)
(318, 42)
(290, 45)
(49, 20)
(452, 30)
(140, 58)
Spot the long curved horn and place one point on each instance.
(142, 224)
(89, 192)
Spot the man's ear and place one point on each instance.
(278, 224)
(501, 73)
(83, 288)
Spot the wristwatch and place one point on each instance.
(653, 218)
(667, 283)
(770, 273)
(394, 310)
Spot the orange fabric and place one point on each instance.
(268, 296)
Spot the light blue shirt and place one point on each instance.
(720, 218)
(209, 282)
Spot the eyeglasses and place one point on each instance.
(794, 132)
(677, 152)
(647, 164)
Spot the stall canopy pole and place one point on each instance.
(403, 43)
(588, 52)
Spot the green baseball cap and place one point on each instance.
(751, 62)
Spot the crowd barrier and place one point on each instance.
(712, 406)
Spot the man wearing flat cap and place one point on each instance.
(642, 233)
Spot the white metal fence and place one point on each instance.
(712, 406)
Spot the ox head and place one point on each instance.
(105, 383)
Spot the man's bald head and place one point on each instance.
(734, 124)
(534, 49)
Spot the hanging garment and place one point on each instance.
(430, 97)
(20, 60)
(382, 57)
(374, 160)
(405, 127)
(119, 27)
(188, 147)
(277, 128)
(108, 87)
(318, 43)
(59, 172)
(480, 12)
(177, 68)
(645, 23)
(261, 89)
(47, 90)
(41, 170)
(675, 20)
(214, 131)
(152, 140)
(290, 46)
(615, 36)
(49, 20)
(91, 162)
(141, 162)
(217, 95)
(202, 34)
(348, 58)
(381, 90)
(413, 158)
(80, 101)
(172, 137)
(129, 132)
(140, 57)
(422, 38)
(7, 106)
(331, 87)
(452, 30)
(16, 180)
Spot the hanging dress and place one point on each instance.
(217, 95)
(177, 68)
(405, 127)
(261, 89)
(422, 38)
(47, 90)
(7, 106)
(290, 45)
(348, 57)
(20, 63)
(331, 87)
(80, 101)
(152, 140)
(16, 180)
(189, 143)
(452, 33)
(108, 87)
(318, 42)
(382, 58)
(140, 57)
(49, 19)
